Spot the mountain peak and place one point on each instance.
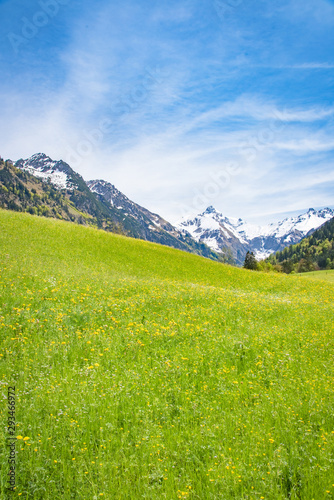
(40, 165)
(210, 210)
(217, 231)
(326, 211)
(39, 155)
(323, 213)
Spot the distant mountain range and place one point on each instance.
(315, 252)
(217, 231)
(42, 186)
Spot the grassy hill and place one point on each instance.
(314, 253)
(320, 275)
(146, 372)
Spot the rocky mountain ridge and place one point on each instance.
(217, 231)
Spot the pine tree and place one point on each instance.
(250, 261)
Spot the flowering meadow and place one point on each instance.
(327, 275)
(143, 372)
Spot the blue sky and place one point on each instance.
(180, 104)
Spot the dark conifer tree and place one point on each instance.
(250, 261)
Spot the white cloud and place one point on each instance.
(311, 65)
(167, 171)
(191, 123)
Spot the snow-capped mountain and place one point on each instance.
(217, 231)
(149, 220)
(208, 234)
(97, 203)
(58, 173)
(118, 200)
(145, 224)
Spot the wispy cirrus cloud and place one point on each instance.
(311, 65)
(244, 89)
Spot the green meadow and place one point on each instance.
(143, 372)
(320, 275)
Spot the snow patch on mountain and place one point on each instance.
(218, 231)
(303, 223)
(41, 166)
(58, 179)
(212, 243)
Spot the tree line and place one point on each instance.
(313, 253)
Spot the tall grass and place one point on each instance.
(146, 372)
(320, 275)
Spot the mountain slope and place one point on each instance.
(64, 178)
(59, 173)
(21, 191)
(149, 226)
(88, 204)
(315, 252)
(216, 231)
